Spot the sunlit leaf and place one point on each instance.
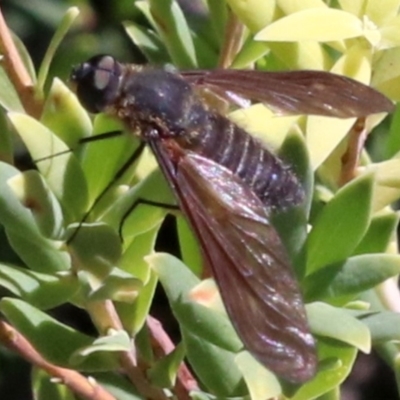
(384, 326)
(40, 290)
(63, 173)
(255, 14)
(164, 372)
(341, 224)
(319, 24)
(261, 383)
(336, 323)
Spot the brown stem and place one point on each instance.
(163, 345)
(105, 317)
(79, 384)
(350, 159)
(232, 41)
(17, 72)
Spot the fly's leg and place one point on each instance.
(139, 202)
(136, 154)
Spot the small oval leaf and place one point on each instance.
(341, 224)
(319, 24)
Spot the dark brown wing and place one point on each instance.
(248, 261)
(297, 92)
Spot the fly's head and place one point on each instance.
(97, 82)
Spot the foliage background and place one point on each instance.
(99, 30)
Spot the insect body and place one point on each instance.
(227, 184)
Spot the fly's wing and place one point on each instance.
(297, 92)
(248, 261)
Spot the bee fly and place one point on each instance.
(227, 184)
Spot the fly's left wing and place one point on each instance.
(296, 92)
(248, 261)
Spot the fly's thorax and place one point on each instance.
(155, 99)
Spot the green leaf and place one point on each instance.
(96, 248)
(133, 261)
(148, 42)
(386, 77)
(120, 387)
(64, 115)
(62, 173)
(291, 224)
(206, 54)
(45, 388)
(38, 253)
(298, 55)
(134, 317)
(355, 275)
(40, 290)
(261, 383)
(214, 366)
(254, 14)
(250, 52)
(209, 325)
(183, 289)
(218, 15)
(355, 63)
(174, 32)
(356, 7)
(163, 373)
(189, 246)
(341, 224)
(32, 191)
(317, 24)
(46, 334)
(133, 258)
(379, 235)
(387, 182)
(331, 377)
(197, 395)
(200, 327)
(107, 155)
(9, 99)
(393, 140)
(117, 286)
(144, 346)
(323, 135)
(13, 215)
(380, 15)
(6, 140)
(144, 217)
(336, 323)
(62, 30)
(262, 123)
(363, 272)
(384, 326)
(115, 341)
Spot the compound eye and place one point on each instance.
(97, 82)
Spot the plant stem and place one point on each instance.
(105, 317)
(163, 345)
(79, 384)
(232, 41)
(17, 72)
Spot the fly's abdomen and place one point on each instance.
(229, 145)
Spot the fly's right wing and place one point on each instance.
(248, 261)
